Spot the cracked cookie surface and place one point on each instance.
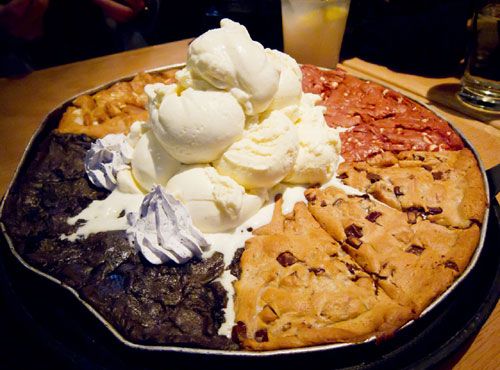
(299, 288)
(444, 187)
(413, 260)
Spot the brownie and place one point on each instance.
(149, 304)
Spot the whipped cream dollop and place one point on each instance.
(163, 230)
(105, 158)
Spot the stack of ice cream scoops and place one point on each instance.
(235, 130)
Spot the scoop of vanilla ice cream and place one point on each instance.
(227, 59)
(137, 129)
(216, 203)
(319, 145)
(194, 126)
(265, 154)
(151, 163)
(290, 84)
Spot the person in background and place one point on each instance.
(36, 34)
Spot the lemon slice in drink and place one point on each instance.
(323, 15)
(334, 12)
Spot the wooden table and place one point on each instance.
(25, 101)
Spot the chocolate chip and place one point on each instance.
(338, 202)
(343, 176)
(415, 209)
(249, 229)
(438, 175)
(412, 217)
(261, 336)
(354, 242)
(451, 265)
(397, 191)
(239, 332)
(427, 167)
(372, 216)
(418, 157)
(311, 197)
(434, 210)
(278, 197)
(317, 270)
(475, 222)
(323, 203)
(352, 268)
(373, 177)
(286, 259)
(415, 249)
(354, 230)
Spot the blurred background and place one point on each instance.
(425, 37)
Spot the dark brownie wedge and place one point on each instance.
(149, 304)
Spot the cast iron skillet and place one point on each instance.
(51, 122)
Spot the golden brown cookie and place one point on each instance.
(444, 187)
(299, 288)
(413, 260)
(112, 110)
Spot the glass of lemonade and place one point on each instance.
(313, 30)
(481, 80)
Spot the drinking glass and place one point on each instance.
(313, 30)
(481, 80)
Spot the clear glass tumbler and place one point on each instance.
(481, 80)
(313, 30)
